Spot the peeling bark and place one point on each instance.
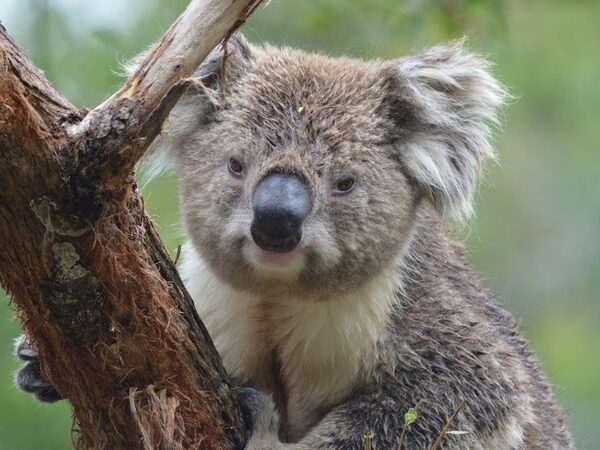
(118, 335)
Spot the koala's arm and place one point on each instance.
(343, 428)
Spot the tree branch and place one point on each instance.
(118, 335)
(203, 25)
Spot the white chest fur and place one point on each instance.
(325, 348)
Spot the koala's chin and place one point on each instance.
(273, 265)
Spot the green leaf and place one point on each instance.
(410, 416)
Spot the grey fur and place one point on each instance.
(382, 310)
(411, 129)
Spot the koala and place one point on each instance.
(314, 192)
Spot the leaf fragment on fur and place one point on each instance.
(368, 440)
(409, 417)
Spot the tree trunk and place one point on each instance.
(117, 332)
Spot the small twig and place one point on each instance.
(177, 255)
(408, 421)
(442, 435)
(244, 16)
(247, 12)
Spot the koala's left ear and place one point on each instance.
(443, 102)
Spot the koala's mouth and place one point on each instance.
(266, 262)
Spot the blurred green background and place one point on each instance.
(536, 239)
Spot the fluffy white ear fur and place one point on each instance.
(191, 112)
(454, 102)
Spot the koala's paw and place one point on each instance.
(261, 419)
(28, 378)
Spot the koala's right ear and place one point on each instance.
(197, 107)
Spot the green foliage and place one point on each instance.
(409, 417)
(535, 238)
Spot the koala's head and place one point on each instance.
(304, 172)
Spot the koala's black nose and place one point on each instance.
(281, 203)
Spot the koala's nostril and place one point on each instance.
(281, 203)
(275, 245)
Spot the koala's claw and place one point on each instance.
(259, 412)
(29, 378)
(24, 350)
(250, 401)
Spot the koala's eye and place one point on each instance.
(235, 167)
(345, 185)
